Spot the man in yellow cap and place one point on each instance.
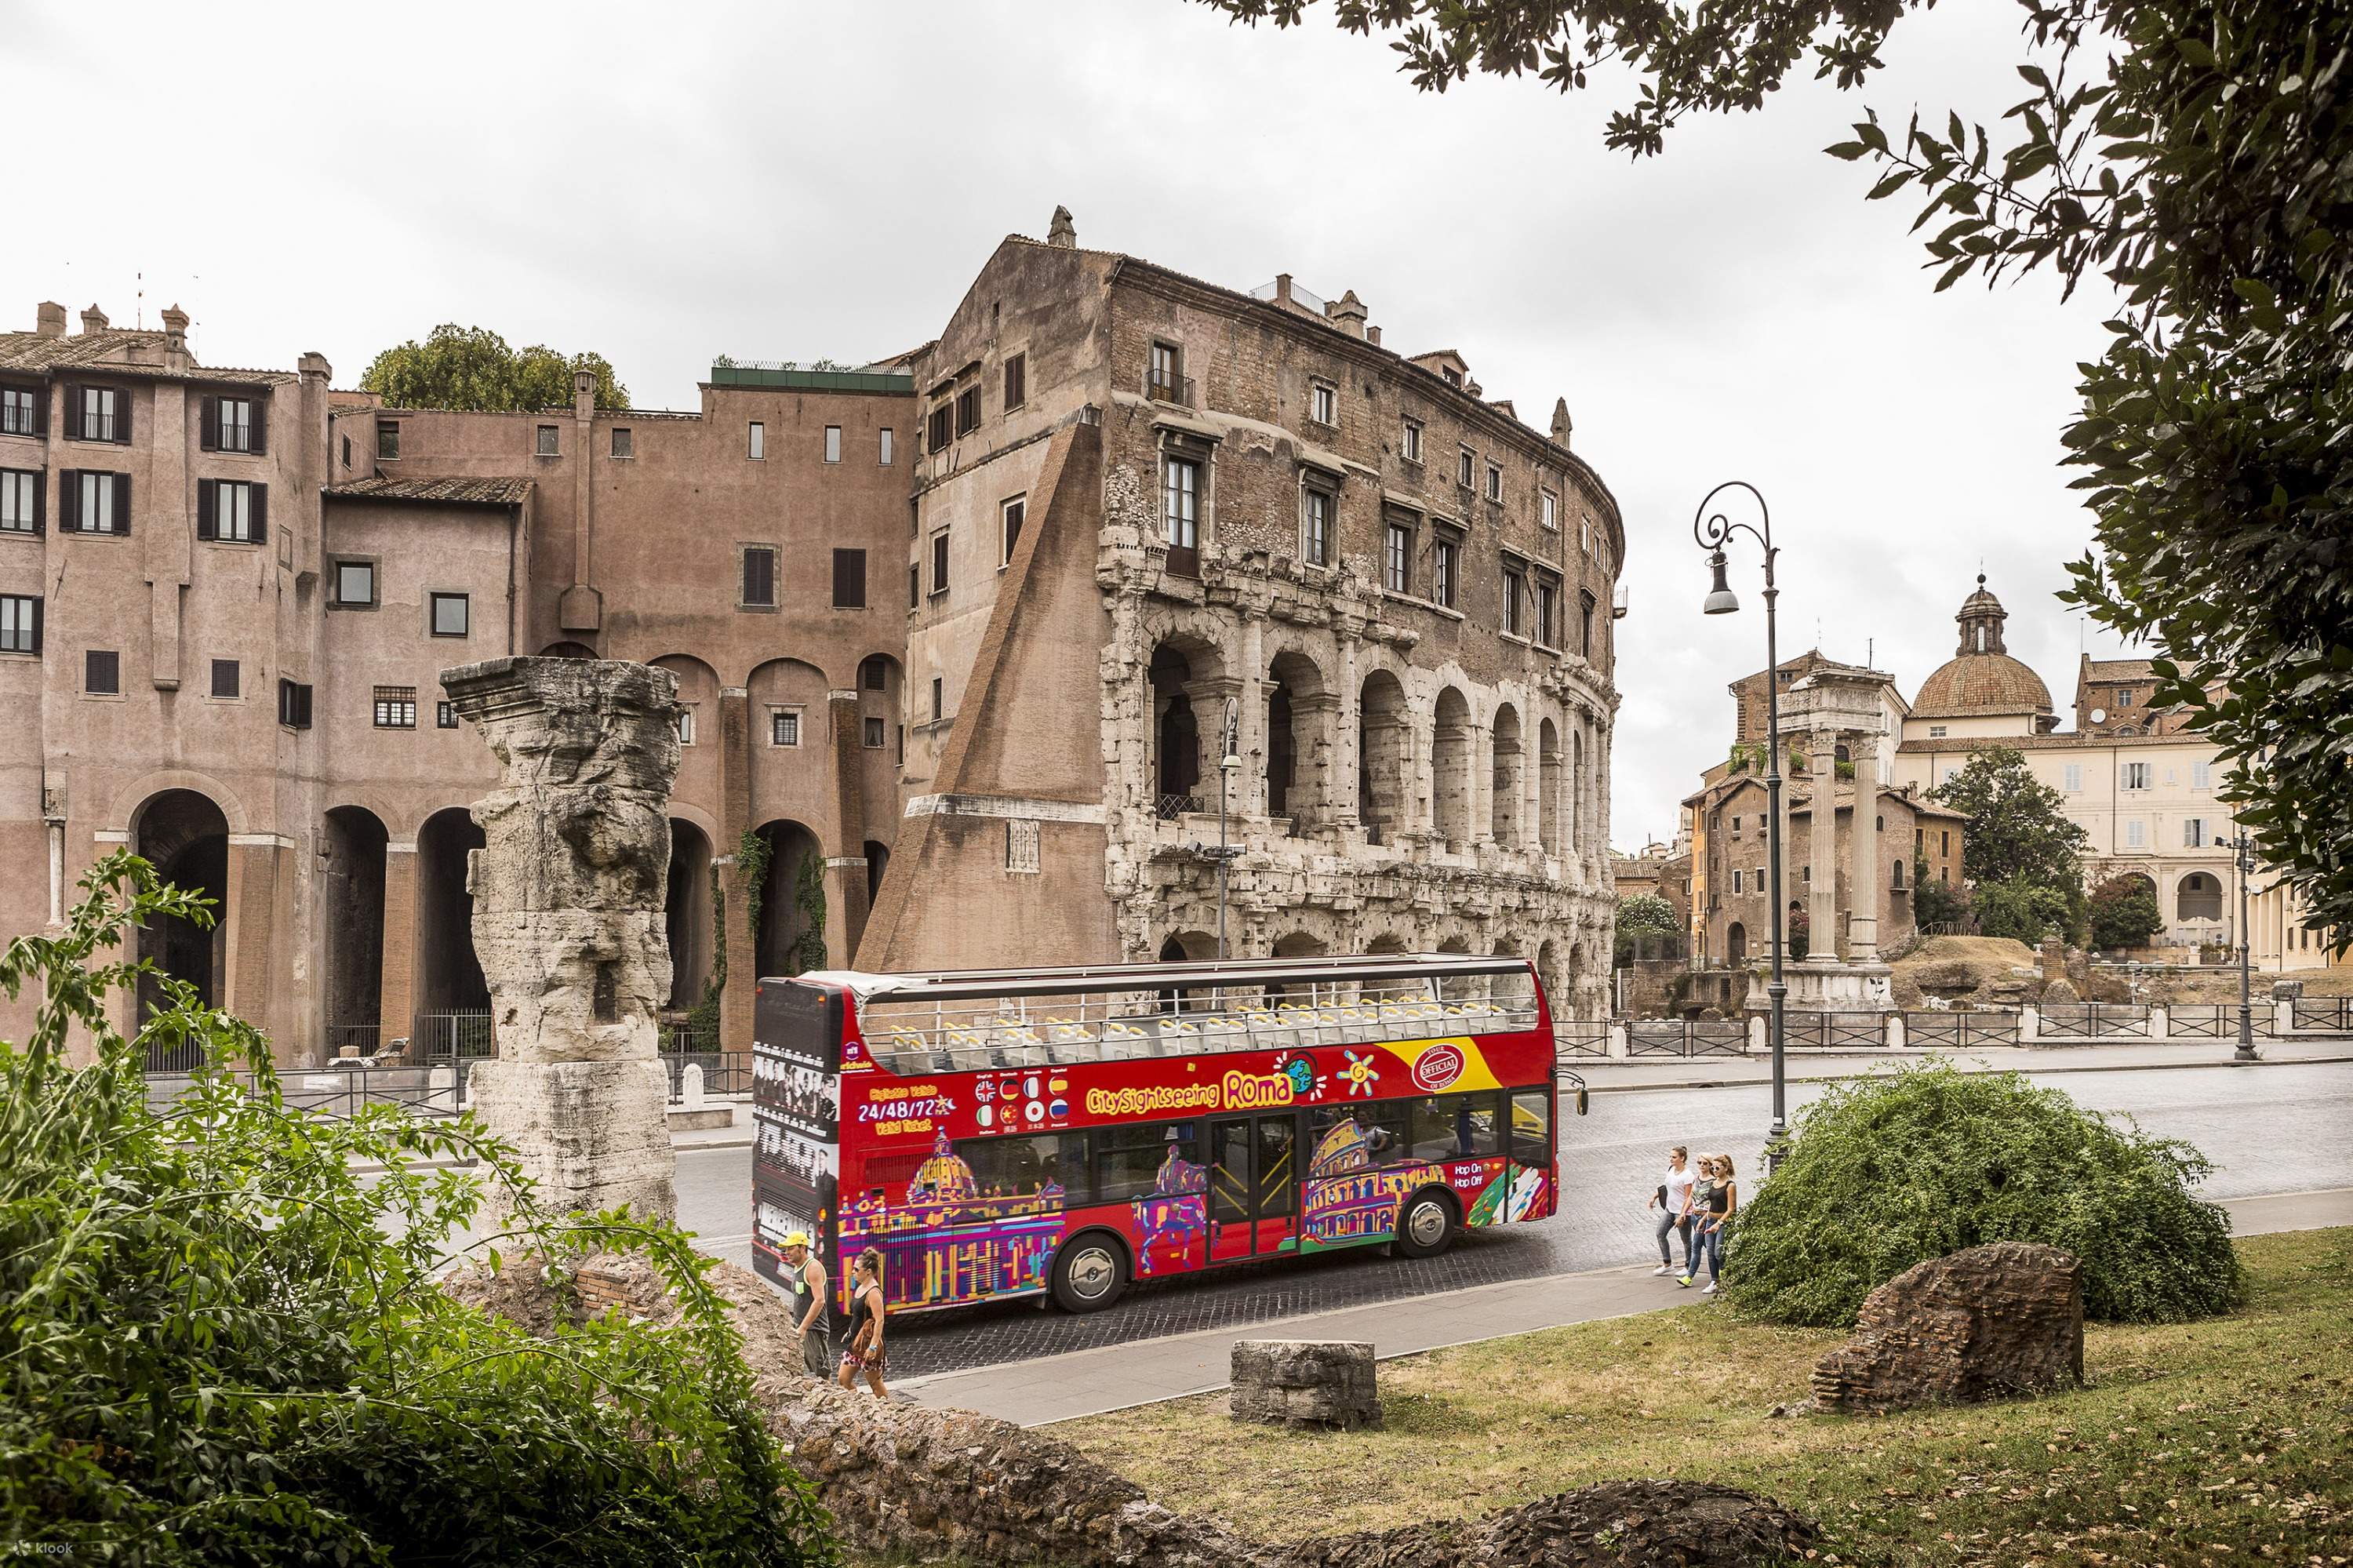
(808, 1305)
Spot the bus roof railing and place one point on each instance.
(978, 985)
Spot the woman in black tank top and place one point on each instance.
(862, 1349)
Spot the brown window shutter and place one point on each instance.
(73, 412)
(69, 500)
(850, 579)
(38, 606)
(257, 432)
(122, 503)
(207, 510)
(41, 502)
(41, 411)
(261, 494)
(208, 426)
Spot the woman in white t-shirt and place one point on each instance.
(1672, 1198)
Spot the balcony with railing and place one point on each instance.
(1162, 384)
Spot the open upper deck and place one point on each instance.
(976, 1020)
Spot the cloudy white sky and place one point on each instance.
(789, 181)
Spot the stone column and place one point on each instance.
(397, 942)
(568, 922)
(738, 948)
(1315, 776)
(1347, 738)
(1821, 898)
(1863, 892)
(1250, 789)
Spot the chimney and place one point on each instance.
(1560, 425)
(1282, 288)
(93, 320)
(1061, 233)
(50, 319)
(175, 328)
(583, 395)
(1373, 335)
(313, 366)
(1348, 312)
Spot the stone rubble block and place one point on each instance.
(1985, 1323)
(1305, 1383)
(591, 1135)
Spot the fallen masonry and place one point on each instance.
(1304, 1382)
(1984, 1323)
(902, 1480)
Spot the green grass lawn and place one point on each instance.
(2224, 1441)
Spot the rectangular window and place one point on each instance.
(1165, 381)
(2123, 696)
(1409, 442)
(2134, 833)
(1585, 604)
(20, 623)
(230, 425)
(624, 444)
(347, 452)
(1516, 589)
(942, 428)
(1532, 1128)
(783, 727)
(1466, 463)
(96, 502)
(914, 587)
(885, 449)
(20, 411)
(232, 511)
(686, 726)
(1495, 482)
(1945, 843)
(100, 414)
(875, 733)
(2136, 775)
(1735, 881)
(1128, 1160)
(1936, 732)
(549, 438)
(758, 450)
(1324, 403)
(2075, 769)
(939, 701)
(940, 562)
(395, 707)
(293, 705)
(967, 411)
(224, 679)
(2194, 832)
(102, 673)
(1315, 539)
(759, 577)
(452, 614)
(1014, 512)
(20, 501)
(1180, 503)
(355, 582)
(1396, 558)
(850, 579)
(1445, 570)
(1549, 509)
(1548, 605)
(1016, 381)
(833, 443)
(387, 440)
(2201, 775)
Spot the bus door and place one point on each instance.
(1253, 1185)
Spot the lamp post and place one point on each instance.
(2244, 857)
(1713, 530)
(1229, 762)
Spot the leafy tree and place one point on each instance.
(472, 369)
(2198, 157)
(1886, 1172)
(2018, 825)
(2124, 913)
(2027, 910)
(1936, 902)
(1643, 915)
(221, 1343)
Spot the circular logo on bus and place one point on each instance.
(1437, 1067)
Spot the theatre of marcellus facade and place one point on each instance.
(963, 626)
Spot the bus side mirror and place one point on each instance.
(1583, 1098)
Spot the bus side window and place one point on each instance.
(1128, 1159)
(1532, 1127)
(1476, 1114)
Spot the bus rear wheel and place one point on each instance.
(1090, 1273)
(1426, 1224)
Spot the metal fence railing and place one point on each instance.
(2096, 1020)
(360, 1039)
(453, 1036)
(184, 1057)
(2320, 1012)
(1686, 1037)
(1580, 1037)
(343, 1091)
(2214, 1020)
(724, 1071)
(1837, 1031)
(1932, 1029)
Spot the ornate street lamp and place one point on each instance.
(1713, 530)
(2244, 857)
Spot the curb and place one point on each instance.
(1592, 1088)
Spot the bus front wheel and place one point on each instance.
(1426, 1224)
(1090, 1273)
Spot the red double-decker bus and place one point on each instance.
(1003, 1133)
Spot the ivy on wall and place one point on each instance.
(808, 897)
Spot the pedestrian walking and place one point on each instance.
(1695, 1213)
(808, 1305)
(862, 1350)
(1670, 1199)
(1723, 1202)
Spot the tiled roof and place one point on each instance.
(457, 492)
(107, 352)
(2120, 670)
(2058, 740)
(1979, 683)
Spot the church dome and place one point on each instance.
(1981, 679)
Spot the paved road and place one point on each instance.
(2277, 1128)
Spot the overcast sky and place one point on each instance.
(790, 181)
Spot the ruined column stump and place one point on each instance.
(568, 922)
(1987, 1322)
(1304, 1382)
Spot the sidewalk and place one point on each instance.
(1604, 1075)
(1089, 1383)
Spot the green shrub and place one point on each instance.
(2124, 913)
(220, 1342)
(1886, 1172)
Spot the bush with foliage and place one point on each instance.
(2124, 913)
(1886, 1172)
(2026, 911)
(472, 369)
(1935, 903)
(222, 1343)
(1643, 915)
